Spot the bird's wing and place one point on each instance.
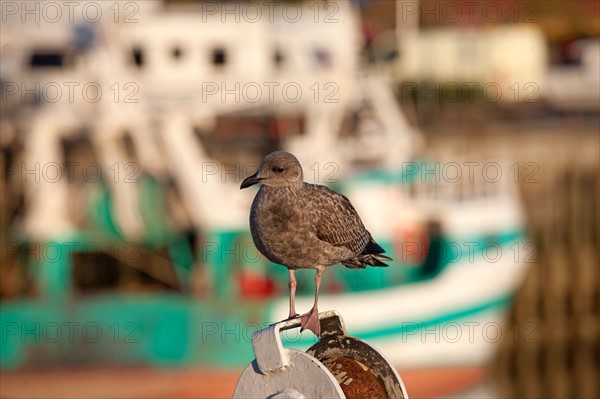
(337, 222)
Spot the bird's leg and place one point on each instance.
(310, 320)
(292, 287)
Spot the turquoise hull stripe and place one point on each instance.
(451, 256)
(494, 304)
(498, 304)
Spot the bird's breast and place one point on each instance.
(280, 229)
(277, 213)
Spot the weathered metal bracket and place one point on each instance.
(338, 366)
(268, 349)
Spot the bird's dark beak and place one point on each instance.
(250, 181)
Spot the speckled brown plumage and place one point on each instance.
(311, 225)
(302, 226)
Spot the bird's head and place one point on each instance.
(278, 169)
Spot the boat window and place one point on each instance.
(129, 146)
(322, 57)
(176, 53)
(219, 56)
(47, 59)
(278, 57)
(138, 57)
(116, 266)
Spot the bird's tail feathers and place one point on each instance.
(362, 261)
(381, 257)
(373, 248)
(371, 256)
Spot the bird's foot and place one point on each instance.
(310, 321)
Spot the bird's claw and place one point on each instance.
(310, 321)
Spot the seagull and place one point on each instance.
(306, 226)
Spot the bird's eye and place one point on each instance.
(277, 169)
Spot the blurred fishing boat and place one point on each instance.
(127, 234)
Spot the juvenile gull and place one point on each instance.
(306, 226)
